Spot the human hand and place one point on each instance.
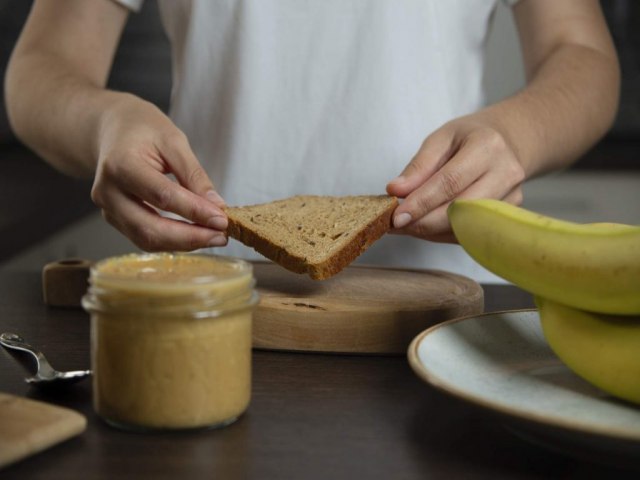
(469, 157)
(138, 145)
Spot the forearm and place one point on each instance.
(569, 104)
(56, 77)
(57, 112)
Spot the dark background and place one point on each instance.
(35, 200)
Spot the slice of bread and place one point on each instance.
(317, 235)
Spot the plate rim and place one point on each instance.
(511, 412)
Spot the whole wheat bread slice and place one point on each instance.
(317, 235)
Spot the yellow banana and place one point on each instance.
(603, 349)
(593, 267)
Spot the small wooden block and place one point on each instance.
(29, 426)
(65, 282)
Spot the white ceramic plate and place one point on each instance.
(501, 362)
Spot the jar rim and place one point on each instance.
(92, 304)
(121, 283)
(100, 271)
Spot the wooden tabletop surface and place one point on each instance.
(311, 416)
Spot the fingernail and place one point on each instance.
(218, 222)
(398, 179)
(218, 241)
(215, 197)
(401, 220)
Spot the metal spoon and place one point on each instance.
(46, 374)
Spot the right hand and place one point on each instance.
(138, 146)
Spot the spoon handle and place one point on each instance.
(16, 342)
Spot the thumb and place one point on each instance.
(189, 171)
(433, 153)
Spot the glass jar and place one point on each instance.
(170, 340)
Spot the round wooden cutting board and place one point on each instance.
(361, 310)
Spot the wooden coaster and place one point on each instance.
(29, 426)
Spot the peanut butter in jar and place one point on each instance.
(171, 340)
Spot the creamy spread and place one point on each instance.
(171, 340)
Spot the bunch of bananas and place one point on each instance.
(585, 279)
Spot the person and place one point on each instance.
(273, 98)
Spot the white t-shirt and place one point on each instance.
(285, 97)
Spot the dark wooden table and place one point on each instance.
(311, 416)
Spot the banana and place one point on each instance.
(602, 349)
(593, 267)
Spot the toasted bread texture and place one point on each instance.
(316, 235)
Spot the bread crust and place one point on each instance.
(327, 268)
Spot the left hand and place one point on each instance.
(469, 157)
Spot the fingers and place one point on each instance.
(159, 191)
(142, 176)
(435, 225)
(483, 166)
(152, 232)
(187, 169)
(434, 152)
(440, 187)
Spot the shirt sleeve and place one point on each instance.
(133, 5)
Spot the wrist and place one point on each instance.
(116, 109)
